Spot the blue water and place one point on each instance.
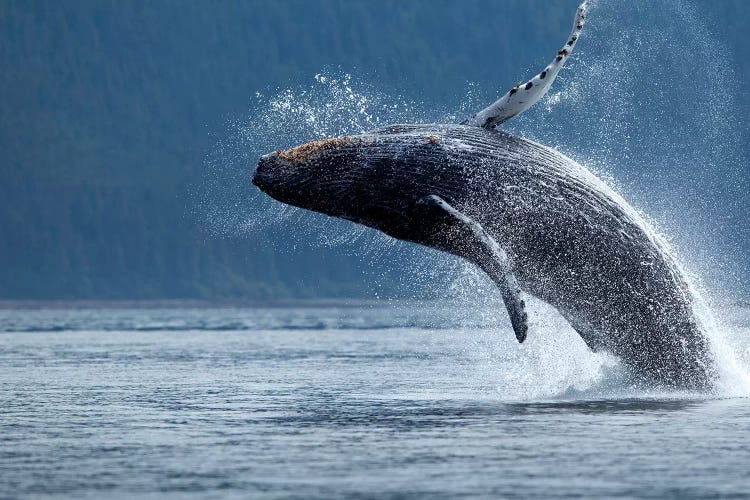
(387, 400)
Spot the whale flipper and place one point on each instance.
(477, 246)
(524, 95)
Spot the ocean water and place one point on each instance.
(386, 400)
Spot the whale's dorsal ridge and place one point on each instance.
(524, 95)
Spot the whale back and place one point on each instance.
(573, 241)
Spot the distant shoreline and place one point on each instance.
(6, 305)
(194, 303)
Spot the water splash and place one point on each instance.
(649, 99)
(630, 88)
(331, 105)
(602, 104)
(622, 88)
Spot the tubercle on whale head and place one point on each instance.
(280, 165)
(305, 151)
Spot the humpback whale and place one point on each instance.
(535, 221)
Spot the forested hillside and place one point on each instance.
(108, 109)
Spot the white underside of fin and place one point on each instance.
(524, 95)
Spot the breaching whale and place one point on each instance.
(535, 221)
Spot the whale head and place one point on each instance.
(318, 175)
(369, 179)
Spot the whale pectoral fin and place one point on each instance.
(524, 95)
(467, 238)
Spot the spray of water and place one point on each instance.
(649, 100)
(656, 115)
(602, 104)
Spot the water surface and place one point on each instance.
(370, 400)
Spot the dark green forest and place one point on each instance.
(108, 110)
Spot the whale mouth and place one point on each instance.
(257, 180)
(282, 180)
(262, 175)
